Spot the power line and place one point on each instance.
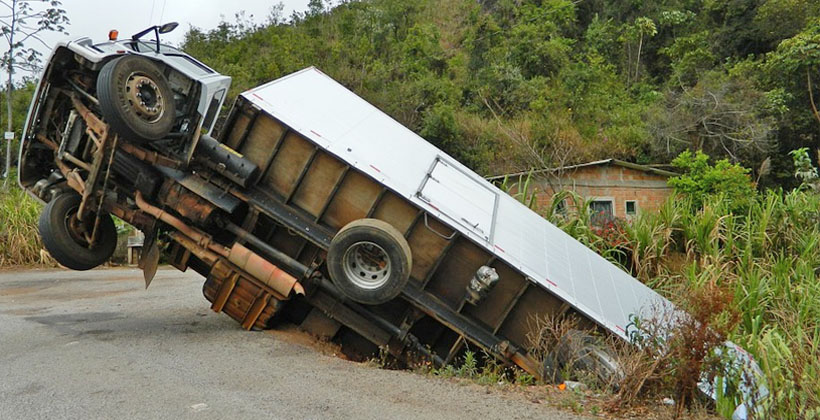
(162, 14)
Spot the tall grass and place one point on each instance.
(755, 275)
(767, 259)
(19, 238)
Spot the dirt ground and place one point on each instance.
(97, 345)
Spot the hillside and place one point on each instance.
(505, 85)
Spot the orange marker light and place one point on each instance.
(113, 34)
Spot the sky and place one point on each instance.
(94, 18)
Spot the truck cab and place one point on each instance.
(182, 104)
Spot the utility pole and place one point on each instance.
(9, 135)
(9, 88)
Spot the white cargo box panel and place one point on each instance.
(366, 138)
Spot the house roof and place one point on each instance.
(617, 162)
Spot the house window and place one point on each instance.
(631, 207)
(602, 211)
(561, 208)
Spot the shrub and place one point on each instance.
(804, 171)
(702, 181)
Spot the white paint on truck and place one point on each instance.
(363, 136)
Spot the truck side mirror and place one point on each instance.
(168, 27)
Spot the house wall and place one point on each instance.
(614, 182)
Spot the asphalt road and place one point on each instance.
(88, 345)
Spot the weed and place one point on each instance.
(748, 277)
(523, 378)
(19, 236)
(468, 368)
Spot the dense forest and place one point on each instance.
(507, 85)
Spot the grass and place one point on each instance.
(19, 239)
(750, 276)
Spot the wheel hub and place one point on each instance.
(144, 96)
(77, 229)
(366, 265)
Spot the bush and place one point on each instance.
(703, 182)
(747, 277)
(19, 237)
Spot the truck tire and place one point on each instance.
(369, 261)
(578, 352)
(62, 240)
(135, 99)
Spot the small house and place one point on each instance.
(616, 188)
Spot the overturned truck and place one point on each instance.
(310, 204)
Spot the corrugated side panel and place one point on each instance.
(360, 134)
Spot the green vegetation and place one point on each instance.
(19, 237)
(745, 273)
(21, 99)
(487, 371)
(741, 262)
(703, 182)
(505, 86)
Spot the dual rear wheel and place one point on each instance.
(369, 261)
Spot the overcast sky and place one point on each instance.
(94, 18)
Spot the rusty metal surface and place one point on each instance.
(217, 194)
(264, 271)
(98, 214)
(200, 238)
(279, 257)
(186, 203)
(149, 261)
(95, 125)
(242, 298)
(335, 310)
(151, 157)
(207, 256)
(136, 218)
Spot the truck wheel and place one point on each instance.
(135, 99)
(578, 352)
(64, 236)
(369, 261)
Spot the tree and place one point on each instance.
(25, 20)
(722, 115)
(643, 27)
(799, 54)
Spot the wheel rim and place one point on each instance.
(144, 96)
(75, 228)
(366, 265)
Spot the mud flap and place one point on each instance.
(149, 260)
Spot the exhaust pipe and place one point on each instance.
(247, 260)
